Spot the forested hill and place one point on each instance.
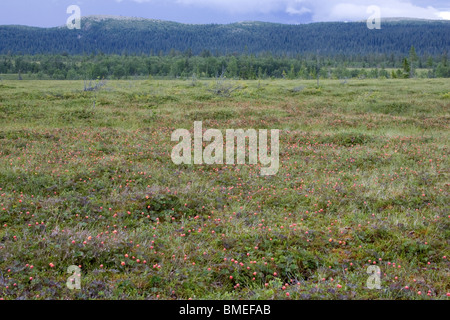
(137, 36)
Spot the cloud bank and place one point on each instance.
(322, 10)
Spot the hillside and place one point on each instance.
(121, 35)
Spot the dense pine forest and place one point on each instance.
(120, 48)
(185, 65)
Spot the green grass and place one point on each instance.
(363, 178)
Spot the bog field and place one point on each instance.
(87, 180)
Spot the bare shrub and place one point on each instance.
(223, 87)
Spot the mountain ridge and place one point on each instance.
(100, 17)
(134, 35)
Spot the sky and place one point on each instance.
(52, 13)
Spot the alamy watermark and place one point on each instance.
(374, 21)
(213, 153)
(74, 281)
(74, 21)
(374, 280)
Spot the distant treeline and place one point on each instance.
(206, 65)
(150, 37)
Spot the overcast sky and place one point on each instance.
(48, 13)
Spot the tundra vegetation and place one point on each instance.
(86, 179)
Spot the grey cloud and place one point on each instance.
(323, 10)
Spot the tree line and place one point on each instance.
(206, 65)
(149, 37)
